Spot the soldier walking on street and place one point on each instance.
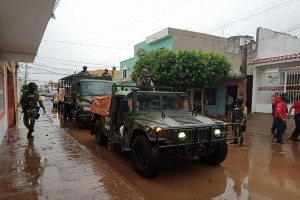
(296, 132)
(30, 108)
(239, 116)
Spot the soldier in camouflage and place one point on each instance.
(29, 102)
(239, 116)
(145, 81)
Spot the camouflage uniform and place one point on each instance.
(106, 74)
(145, 81)
(239, 117)
(30, 108)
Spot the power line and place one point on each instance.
(228, 20)
(237, 20)
(89, 45)
(85, 63)
(275, 34)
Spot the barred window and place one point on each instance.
(210, 96)
(124, 72)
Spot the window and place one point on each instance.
(210, 96)
(1, 93)
(124, 72)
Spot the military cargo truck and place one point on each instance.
(76, 92)
(152, 124)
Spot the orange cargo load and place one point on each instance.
(61, 94)
(101, 105)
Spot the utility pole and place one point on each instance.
(244, 60)
(25, 79)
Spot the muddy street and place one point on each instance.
(61, 168)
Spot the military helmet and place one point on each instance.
(32, 85)
(145, 72)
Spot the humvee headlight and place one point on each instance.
(157, 129)
(217, 132)
(181, 136)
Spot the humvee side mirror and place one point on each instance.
(124, 106)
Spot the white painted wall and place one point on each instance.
(3, 121)
(273, 44)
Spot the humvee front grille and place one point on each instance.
(204, 134)
(199, 134)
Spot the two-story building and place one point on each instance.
(232, 48)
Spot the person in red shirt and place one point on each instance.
(275, 101)
(296, 132)
(280, 116)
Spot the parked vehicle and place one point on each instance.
(76, 92)
(155, 123)
(48, 94)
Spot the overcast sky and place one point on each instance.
(100, 34)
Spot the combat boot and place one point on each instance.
(29, 135)
(241, 142)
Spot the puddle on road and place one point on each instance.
(58, 167)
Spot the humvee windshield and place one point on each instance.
(168, 101)
(94, 88)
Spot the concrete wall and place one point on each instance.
(272, 44)
(3, 113)
(188, 40)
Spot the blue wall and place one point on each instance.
(219, 108)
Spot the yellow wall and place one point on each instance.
(100, 71)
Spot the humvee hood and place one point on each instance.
(182, 119)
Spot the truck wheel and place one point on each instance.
(65, 111)
(101, 139)
(218, 156)
(145, 157)
(79, 122)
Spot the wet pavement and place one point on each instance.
(55, 166)
(63, 162)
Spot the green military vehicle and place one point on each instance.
(75, 95)
(151, 124)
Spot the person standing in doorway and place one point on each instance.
(229, 105)
(296, 132)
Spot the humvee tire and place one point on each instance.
(145, 157)
(218, 156)
(101, 139)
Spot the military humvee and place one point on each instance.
(155, 123)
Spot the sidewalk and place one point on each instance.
(55, 166)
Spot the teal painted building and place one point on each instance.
(214, 96)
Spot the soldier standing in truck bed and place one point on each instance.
(106, 74)
(145, 81)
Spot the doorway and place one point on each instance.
(232, 90)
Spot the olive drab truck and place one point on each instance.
(76, 92)
(154, 124)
